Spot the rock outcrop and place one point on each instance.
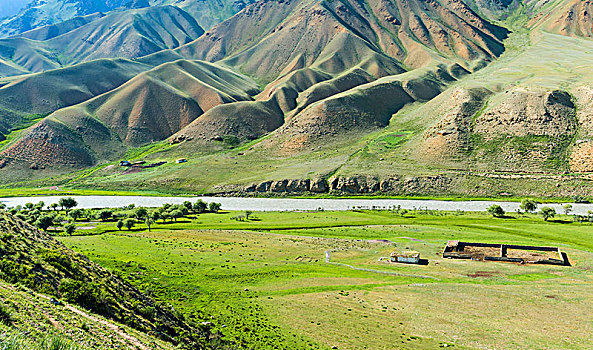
(355, 185)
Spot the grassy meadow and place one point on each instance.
(313, 280)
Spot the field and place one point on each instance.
(308, 280)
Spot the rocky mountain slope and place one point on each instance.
(119, 34)
(432, 93)
(45, 12)
(52, 13)
(296, 45)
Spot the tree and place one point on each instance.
(54, 206)
(149, 222)
(200, 206)
(528, 205)
(40, 205)
(69, 229)
(175, 214)
(214, 207)
(67, 203)
(248, 214)
(76, 214)
(188, 205)
(140, 213)
(120, 224)
(496, 210)
(2, 206)
(155, 215)
(547, 213)
(567, 209)
(44, 221)
(105, 215)
(129, 223)
(29, 206)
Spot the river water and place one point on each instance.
(286, 204)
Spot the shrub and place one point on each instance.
(129, 223)
(200, 206)
(175, 214)
(214, 207)
(547, 213)
(528, 205)
(67, 203)
(5, 315)
(69, 229)
(496, 210)
(105, 215)
(44, 221)
(140, 213)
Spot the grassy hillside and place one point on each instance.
(67, 327)
(34, 259)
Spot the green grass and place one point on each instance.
(267, 284)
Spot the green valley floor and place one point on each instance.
(314, 280)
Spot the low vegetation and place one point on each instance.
(253, 272)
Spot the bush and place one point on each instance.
(86, 294)
(528, 205)
(547, 213)
(5, 315)
(67, 203)
(69, 229)
(200, 206)
(231, 140)
(214, 207)
(175, 214)
(496, 210)
(129, 223)
(105, 215)
(44, 222)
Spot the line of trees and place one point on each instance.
(530, 206)
(64, 214)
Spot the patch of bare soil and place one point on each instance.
(484, 274)
(481, 252)
(528, 255)
(581, 158)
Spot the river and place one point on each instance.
(287, 204)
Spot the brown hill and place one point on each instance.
(119, 34)
(574, 18)
(341, 44)
(150, 107)
(330, 68)
(39, 94)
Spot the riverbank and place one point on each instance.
(60, 191)
(287, 204)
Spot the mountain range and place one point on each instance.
(423, 97)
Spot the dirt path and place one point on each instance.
(116, 329)
(328, 260)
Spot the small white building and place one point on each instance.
(408, 257)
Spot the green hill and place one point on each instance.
(37, 261)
